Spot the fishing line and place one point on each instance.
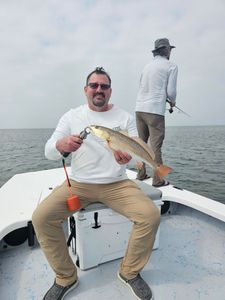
(73, 202)
(67, 178)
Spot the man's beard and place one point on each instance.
(99, 102)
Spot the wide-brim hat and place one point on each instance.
(160, 43)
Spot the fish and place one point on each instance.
(137, 148)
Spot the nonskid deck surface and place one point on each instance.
(189, 264)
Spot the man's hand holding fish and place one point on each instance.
(122, 157)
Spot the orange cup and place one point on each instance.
(73, 203)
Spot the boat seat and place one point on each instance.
(104, 231)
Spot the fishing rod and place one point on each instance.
(180, 110)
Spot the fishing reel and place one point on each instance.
(179, 110)
(170, 110)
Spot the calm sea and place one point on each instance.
(196, 155)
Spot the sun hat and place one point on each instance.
(162, 43)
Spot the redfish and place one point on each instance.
(134, 146)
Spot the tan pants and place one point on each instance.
(152, 127)
(123, 197)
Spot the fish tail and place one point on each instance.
(162, 170)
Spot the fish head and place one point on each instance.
(100, 132)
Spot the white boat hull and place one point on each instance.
(188, 264)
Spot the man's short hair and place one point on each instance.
(99, 70)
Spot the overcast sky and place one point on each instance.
(49, 46)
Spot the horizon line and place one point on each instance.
(202, 125)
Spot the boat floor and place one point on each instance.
(189, 264)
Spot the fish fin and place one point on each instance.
(145, 146)
(109, 144)
(162, 171)
(112, 146)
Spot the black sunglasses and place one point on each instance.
(95, 85)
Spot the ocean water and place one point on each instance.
(196, 155)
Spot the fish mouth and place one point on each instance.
(93, 128)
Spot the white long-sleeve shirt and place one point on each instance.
(157, 84)
(93, 162)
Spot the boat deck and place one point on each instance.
(189, 264)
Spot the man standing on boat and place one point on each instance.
(158, 85)
(96, 175)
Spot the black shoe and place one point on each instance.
(138, 286)
(164, 183)
(146, 176)
(58, 292)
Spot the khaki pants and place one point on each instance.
(152, 127)
(124, 197)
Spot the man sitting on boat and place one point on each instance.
(97, 174)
